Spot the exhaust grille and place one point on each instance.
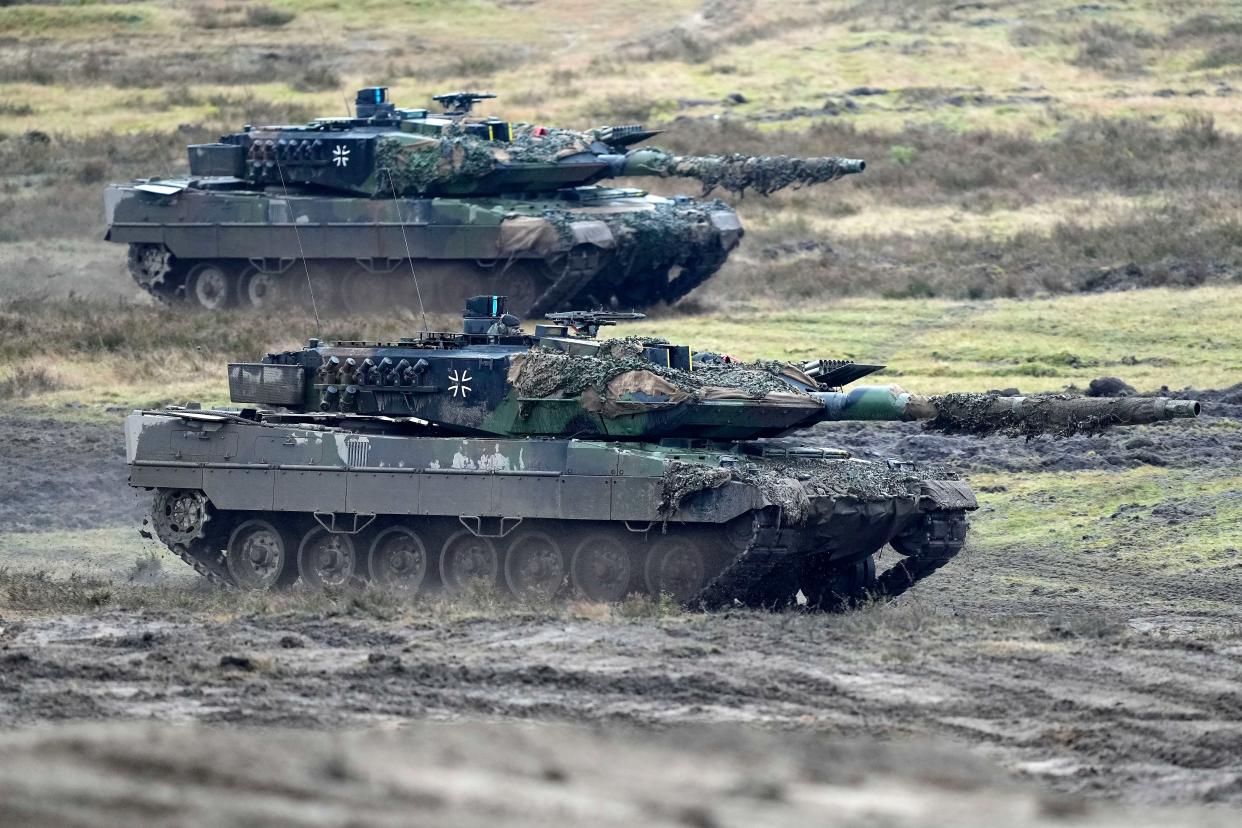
(356, 450)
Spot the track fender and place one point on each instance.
(946, 495)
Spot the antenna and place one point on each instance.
(409, 257)
(310, 287)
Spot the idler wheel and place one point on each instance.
(534, 565)
(327, 559)
(398, 559)
(676, 565)
(211, 287)
(466, 558)
(179, 515)
(258, 556)
(601, 568)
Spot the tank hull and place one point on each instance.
(218, 243)
(606, 519)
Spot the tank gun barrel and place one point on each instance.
(1060, 415)
(737, 173)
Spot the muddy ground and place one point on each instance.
(1033, 701)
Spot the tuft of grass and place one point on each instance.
(639, 605)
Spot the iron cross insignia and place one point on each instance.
(459, 380)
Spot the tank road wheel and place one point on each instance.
(259, 290)
(327, 559)
(211, 287)
(534, 565)
(676, 565)
(258, 556)
(601, 569)
(465, 558)
(398, 559)
(179, 515)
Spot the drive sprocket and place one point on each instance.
(150, 264)
(180, 516)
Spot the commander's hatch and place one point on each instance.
(835, 373)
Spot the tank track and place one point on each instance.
(927, 548)
(200, 554)
(577, 283)
(200, 544)
(764, 574)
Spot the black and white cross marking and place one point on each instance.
(459, 380)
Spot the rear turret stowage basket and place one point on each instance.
(257, 382)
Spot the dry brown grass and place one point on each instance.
(986, 124)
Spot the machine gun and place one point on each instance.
(460, 103)
(588, 323)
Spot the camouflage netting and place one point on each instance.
(791, 483)
(667, 234)
(417, 165)
(684, 479)
(527, 147)
(544, 372)
(413, 168)
(737, 173)
(1054, 415)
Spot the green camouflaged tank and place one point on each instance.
(556, 464)
(348, 210)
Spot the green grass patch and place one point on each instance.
(1146, 519)
(1150, 338)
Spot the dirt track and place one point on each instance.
(1105, 694)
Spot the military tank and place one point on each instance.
(341, 210)
(553, 462)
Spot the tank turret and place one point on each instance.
(494, 378)
(388, 152)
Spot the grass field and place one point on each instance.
(1015, 148)
(96, 356)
